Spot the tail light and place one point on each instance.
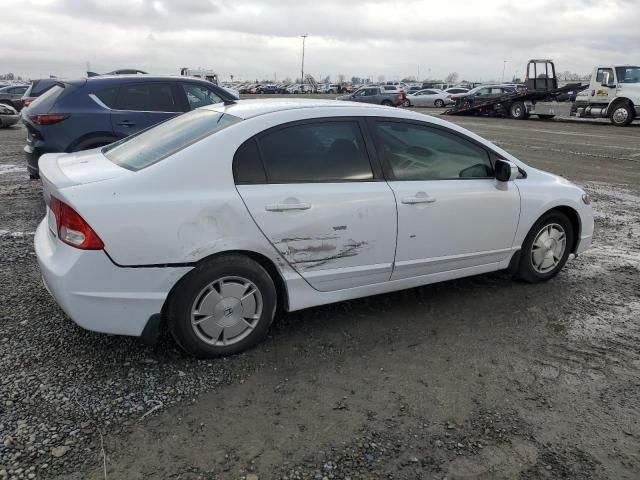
(48, 118)
(72, 229)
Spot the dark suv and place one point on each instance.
(92, 112)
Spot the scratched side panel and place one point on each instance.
(346, 238)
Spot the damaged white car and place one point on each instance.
(212, 221)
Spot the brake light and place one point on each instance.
(72, 229)
(48, 118)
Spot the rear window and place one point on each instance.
(157, 143)
(45, 102)
(41, 86)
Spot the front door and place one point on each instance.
(143, 104)
(312, 190)
(601, 93)
(452, 213)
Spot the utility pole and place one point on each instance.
(304, 38)
(504, 65)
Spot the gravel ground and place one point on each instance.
(476, 378)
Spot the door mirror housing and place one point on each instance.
(506, 170)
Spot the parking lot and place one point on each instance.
(484, 377)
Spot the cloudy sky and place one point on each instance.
(261, 38)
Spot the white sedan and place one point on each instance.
(429, 97)
(211, 222)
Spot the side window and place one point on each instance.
(483, 91)
(199, 96)
(417, 152)
(316, 152)
(372, 91)
(360, 93)
(108, 96)
(147, 97)
(247, 165)
(601, 72)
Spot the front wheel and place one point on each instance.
(621, 115)
(518, 111)
(406, 103)
(546, 248)
(224, 306)
(387, 103)
(439, 103)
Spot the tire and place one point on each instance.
(438, 103)
(540, 259)
(387, 103)
(517, 111)
(621, 115)
(212, 291)
(406, 103)
(545, 117)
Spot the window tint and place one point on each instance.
(150, 146)
(108, 96)
(422, 153)
(628, 74)
(147, 97)
(199, 96)
(247, 165)
(316, 152)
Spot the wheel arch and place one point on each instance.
(621, 101)
(574, 218)
(262, 260)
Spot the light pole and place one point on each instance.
(504, 65)
(304, 38)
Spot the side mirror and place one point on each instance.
(506, 171)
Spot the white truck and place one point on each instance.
(613, 92)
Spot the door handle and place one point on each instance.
(125, 123)
(281, 207)
(415, 200)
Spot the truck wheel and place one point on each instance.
(545, 117)
(518, 111)
(387, 103)
(621, 115)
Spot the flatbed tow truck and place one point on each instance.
(613, 92)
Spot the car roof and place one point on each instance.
(246, 109)
(142, 78)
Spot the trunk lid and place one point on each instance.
(62, 170)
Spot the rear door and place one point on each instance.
(313, 191)
(452, 213)
(141, 105)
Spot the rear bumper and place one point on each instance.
(95, 293)
(32, 155)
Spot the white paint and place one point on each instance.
(10, 168)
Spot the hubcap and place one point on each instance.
(548, 248)
(517, 110)
(620, 115)
(226, 311)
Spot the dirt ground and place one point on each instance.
(479, 378)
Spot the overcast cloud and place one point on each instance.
(261, 38)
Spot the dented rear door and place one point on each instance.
(313, 192)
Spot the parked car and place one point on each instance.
(92, 112)
(12, 95)
(330, 88)
(270, 89)
(376, 95)
(428, 98)
(37, 88)
(304, 203)
(8, 115)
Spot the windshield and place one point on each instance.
(628, 74)
(157, 143)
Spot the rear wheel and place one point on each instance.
(224, 306)
(621, 115)
(439, 103)
(387, 103)
(518, 111)
(546, 248)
